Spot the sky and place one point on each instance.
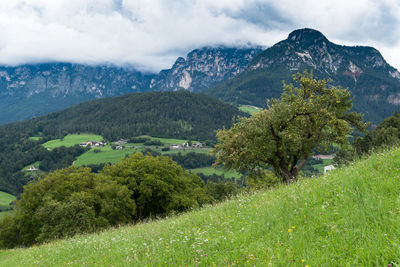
(151, 34)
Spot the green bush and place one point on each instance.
(159, 185)
(67, 202)
(75, 200)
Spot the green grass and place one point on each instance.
(249, 109)
(106, 155)
(211, 171)
(34, 138)
(349, 217)
(5, 200)
(71, 140)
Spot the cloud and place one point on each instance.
(151, 34)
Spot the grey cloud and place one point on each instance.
(151, 34)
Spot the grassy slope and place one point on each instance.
(249, 109)
(211, 171)
(5, 200)
(349, 217)
(71, 140)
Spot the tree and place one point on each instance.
(282, 136)
(64, 203)
(159, 185)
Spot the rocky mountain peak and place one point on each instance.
(306, 35)
(310, 49)
(203, 68)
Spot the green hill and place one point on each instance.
(181, 114)
(349, 217)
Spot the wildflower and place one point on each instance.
(289, 230)
(293, 227)
(302, 261)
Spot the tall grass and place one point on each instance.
(348, 217)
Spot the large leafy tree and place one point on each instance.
(308, 115)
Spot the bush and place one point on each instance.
(153, 143)
(159, 185)
(138, 140)
(67, 202)
(75, 200)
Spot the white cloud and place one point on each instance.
(150, 34)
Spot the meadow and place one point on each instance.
(348, 217)
(217, 171)
(71, 140)
(5, 200)
(249, 109)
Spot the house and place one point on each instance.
(198, 145)
(93, 143)
(32, 168)
(119, 147)
(121, 142)
(188, 145)
(329, 168)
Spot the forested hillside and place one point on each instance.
(163, 114)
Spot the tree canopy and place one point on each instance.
(75, 200)
(308, 116)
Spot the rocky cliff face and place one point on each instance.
(66, 80)
(375, 85)
(204, 68)
(308, 48)
(32, 90)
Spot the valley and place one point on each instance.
(114, 166)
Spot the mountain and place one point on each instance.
(33, 90)
(203, 68)
(162, 114)
(375, 85)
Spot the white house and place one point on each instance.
(32, 168)
(329, 168)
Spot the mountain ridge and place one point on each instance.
(36, 89)
(374, 84)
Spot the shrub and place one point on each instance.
(159, 185)
(67, 202)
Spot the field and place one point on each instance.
(106, 155)
(249, 109)
(211, 171)
(71, 140)
(5, 200)
(349, 217)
